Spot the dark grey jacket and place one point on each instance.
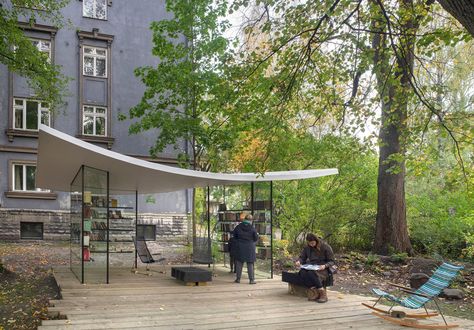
(320, 255)
(245, 238)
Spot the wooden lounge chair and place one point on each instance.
(146, 257)
(418, 298)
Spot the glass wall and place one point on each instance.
(103, 224)
(95, 226)
(228, 206)
(75, 256)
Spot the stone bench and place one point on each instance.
(191, 275)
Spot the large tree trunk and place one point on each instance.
(391, 232)
(462, 10)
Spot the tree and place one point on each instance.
(296, 67)
(462, 10)
(21, 56)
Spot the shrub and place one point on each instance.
(399, 257)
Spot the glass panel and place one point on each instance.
(89, 109)
(88, 50)
(30, 178)
(95, 225)
(100, 110)
(100, 126)
(101, 9)
(18, 102)
(45, 46)
(88, 125)
(227, 208)
(88, 65)
(262, 223)
(31, 230)
(88, 8)
(18, 118)
(146, 232)
(100, 67)
(45, 117)
(100, 51)
(75, 258)
(18, 177)
(31, 115)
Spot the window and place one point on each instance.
(24, 177)
(94, 121)
(26, 114)
(43, 46)
(95, 60)
(31, 230)
(94, 9)
(147, 232)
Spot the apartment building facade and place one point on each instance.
(98, 51)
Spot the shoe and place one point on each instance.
(313, 294)
(323, 297)
(237, 281)
(252, 282)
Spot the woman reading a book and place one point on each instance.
(315, 260)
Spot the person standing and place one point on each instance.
(245, 239)
(316, 252)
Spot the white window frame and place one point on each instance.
(94, 56)
(41, 109)
(23, 183)
(95, 4)
(94, 114)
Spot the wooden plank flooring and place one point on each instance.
(136, 301)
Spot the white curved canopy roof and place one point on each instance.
(60, 157)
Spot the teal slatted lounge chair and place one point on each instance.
(418, 298)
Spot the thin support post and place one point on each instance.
(108, 228)
(136, 227)
(271, 229)
(82, 229)
(252, 187)
(209, 221)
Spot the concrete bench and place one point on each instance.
(191, 275)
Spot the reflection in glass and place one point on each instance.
(31, 115)
(30, 177)
(18, 177)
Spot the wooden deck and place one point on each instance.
(135, 301)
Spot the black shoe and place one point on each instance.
(252, 282)
(237, 281)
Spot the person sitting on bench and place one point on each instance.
(316, 252)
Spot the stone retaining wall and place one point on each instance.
(170, 227)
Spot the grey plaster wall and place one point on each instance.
(128, 22)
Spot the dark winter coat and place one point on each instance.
(245, 238)
(232, 246)
(322, 254)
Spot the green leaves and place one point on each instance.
(20, 56)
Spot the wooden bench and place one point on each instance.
(191, 275)
(296, 285)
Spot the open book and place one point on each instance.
(311, 267)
